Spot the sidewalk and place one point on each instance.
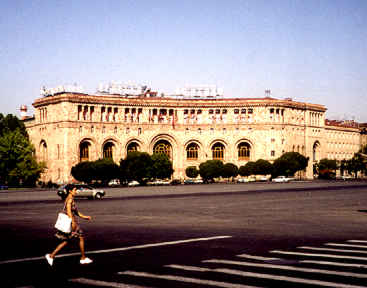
(36, 195)
(222, 188)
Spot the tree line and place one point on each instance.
(142, 167)
(327, 168)
(288, 164)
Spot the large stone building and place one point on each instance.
(71, 127)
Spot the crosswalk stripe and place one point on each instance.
(357, 241)
(346, 245)
(332, 250)
(319, 255)
(268, 276)
(185, 279)
(99, 283)
(120, 249)
(354, 265)
(257, 257)
(287, 268)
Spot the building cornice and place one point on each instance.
(167, 102)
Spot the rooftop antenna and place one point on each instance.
(267, 93)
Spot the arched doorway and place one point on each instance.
(316, 151)
(43, 151)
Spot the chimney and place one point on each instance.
(23, 112)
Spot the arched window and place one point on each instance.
(244, 151)
(43, 151)
(108, 150)
(84, 151)
(316, 151)
(218, 151)
(163, 147)
(132, 147)
(192, 151)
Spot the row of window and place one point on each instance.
(192, 150)
(110, 114)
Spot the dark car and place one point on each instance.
(3, 187)
(83, 190)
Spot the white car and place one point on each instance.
(114, 183)
(282, 179)
(83, 191)
(133, 183)
(246, 180)
(159, 182)
(263, 178)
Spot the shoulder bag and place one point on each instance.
(63, 223)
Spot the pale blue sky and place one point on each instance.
(312, 51)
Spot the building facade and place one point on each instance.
(71, 127)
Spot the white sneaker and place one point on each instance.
(86, 261)
(49, 259)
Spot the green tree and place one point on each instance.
(11, 123)
(83, 171)
(248, 169)
(105, 170)
(211, 169)
(229, 170)
(192, 172)
(162, 166)
(18, 166)
(356, 164)
(101, 171)
(136, 166)
(263, 167)
(289, 163)
(326, 168)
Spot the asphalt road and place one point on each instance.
(144, 229)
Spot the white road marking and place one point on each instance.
(98, 283)
(267, 276)
(186, 280)
(354, 265)
(332, 250)
(287, 268)
(346, 245)
(357, 241)
(120, 249)
(319, 255)
(247, 256)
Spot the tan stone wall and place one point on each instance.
(270, 126)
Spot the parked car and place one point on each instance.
(347, 177)
(264, 178)
(133, 183)
(282, 179)
(193, 181)
(83, 191)
(159, 182)
(114, 183)
(246, 179)
(3, 187)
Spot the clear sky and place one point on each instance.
(309, 50)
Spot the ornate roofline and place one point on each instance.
(175, 103)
